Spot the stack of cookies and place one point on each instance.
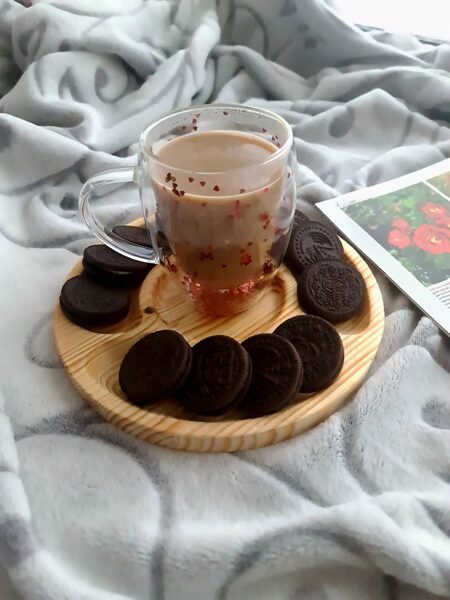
(327, 286)
(100, 295)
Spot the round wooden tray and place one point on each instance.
(92, 360)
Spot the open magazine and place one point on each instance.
(403, 226)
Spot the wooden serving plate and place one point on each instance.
(92, 360)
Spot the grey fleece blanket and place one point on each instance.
(357, 508)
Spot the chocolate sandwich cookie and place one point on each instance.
(319, 346)
(134, 235)
(114, 278)
(104, 264)
(311, 242)
(103, 257)
(277, 373)
(219, 376)
(91, 303)
(331, 289)
(155, 367)
(300, 218)
(278, 248)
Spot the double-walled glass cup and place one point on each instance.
(222, 234)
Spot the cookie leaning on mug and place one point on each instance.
(134, 235)
(300, 218)
(310, 242)
(103, 263)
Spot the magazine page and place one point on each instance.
(403, 226)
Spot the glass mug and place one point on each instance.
(218, 196)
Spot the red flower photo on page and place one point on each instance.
(398, 239)
(433, 210)
(413, 225)
(443, 222)
(431, 239)
(401, 224)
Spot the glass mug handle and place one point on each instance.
(92, 187)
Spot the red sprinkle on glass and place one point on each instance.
(268, 266)
(172, 268)
(237, 209)
(203, 183)
(225, 113)
(175, 185)
(264, 130)
(250, 244)
(195, 128)
(289, 174)
(168, 177)
(207, 254)
(191, 179)
(246, 259)
(216, 188)
(182, 192)
(266, 190)
(176, 192)
(264, 216)
(183, 127)
(194, 120)
(242, 190)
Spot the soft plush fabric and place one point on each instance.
(357, 508)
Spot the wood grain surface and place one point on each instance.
(92, 360)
